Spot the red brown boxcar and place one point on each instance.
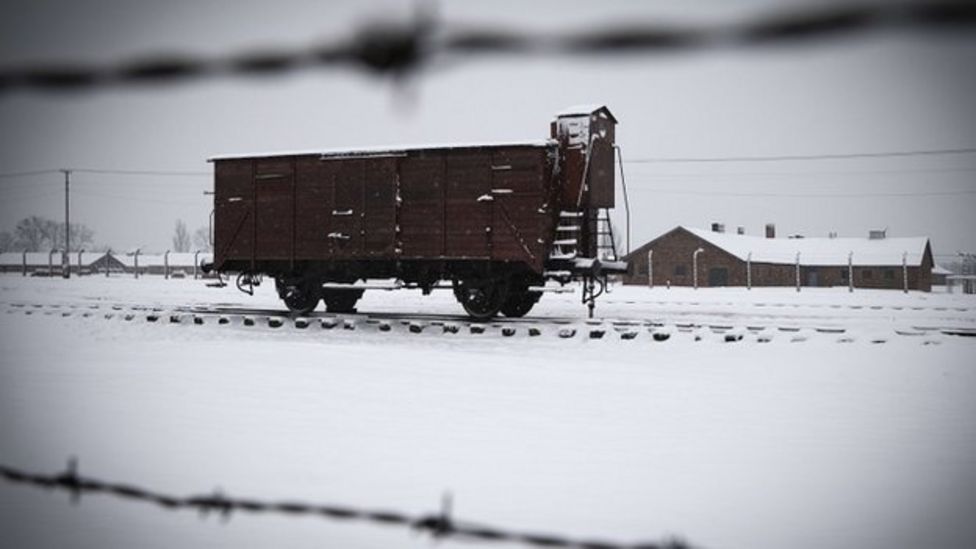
(495, 220)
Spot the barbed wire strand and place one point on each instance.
(399, 49)
(437, 525)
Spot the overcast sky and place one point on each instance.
(877, 93)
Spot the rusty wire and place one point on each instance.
(437, 525)
(404, 48)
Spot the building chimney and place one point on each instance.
(770, 230)
(718, 227)
(740, 230)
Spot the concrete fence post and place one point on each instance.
(196, 263)
(650, 268)
(798, 271)
(904, 270)
(50, 262)
(166, 265)
(694, 266)
(749, 271)
(850, 271)
(24, 261)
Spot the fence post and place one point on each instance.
(650, 268)
(904, 270)
(749, 271)
(850, 271)
(196, 263)
(25, 262)
(136, 262)
(166, 265)
(694, 266)
(798, 271)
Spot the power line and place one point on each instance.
(162, 173)
(804, 157)
(13, 175)
(802, 195)
(108, 171)
(406, 47)
(20, 197)
(792, 173)
(135, 199)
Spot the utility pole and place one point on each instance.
(66, 269)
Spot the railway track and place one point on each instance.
(657, 329)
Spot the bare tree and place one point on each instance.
(38, 234)
(181, 237)
(33, 233)
(201, 239)
(6, 242)
(81, 236)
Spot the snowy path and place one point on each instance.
(798, 442)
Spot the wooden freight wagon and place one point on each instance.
(496, 221)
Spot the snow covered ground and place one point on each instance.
(838, 419)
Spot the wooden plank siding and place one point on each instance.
(412, 205)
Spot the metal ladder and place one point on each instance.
(606, 246)
(566, 244)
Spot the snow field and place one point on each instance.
(740, 444)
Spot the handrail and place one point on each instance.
(623, 185)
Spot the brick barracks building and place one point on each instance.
(739, 260)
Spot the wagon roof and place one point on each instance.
(387, 150)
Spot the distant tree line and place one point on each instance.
(37, 234)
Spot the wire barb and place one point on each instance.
(70, 480)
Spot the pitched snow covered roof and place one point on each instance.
(41, 258)
(33, 258)
(383, 150)
(176, 260)
(818, 251)
(87, 258)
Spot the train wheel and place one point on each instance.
(520, 302)
(301, 297)
(341, 301)
(481, 299)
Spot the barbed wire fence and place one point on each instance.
(406, 48)
(440, 525)
(399, 49)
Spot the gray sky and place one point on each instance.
(881, 92)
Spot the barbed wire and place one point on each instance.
(438, 525)
(402, 48)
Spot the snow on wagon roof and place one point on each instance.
(384, 150)
(818, 251)
(580, 110)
